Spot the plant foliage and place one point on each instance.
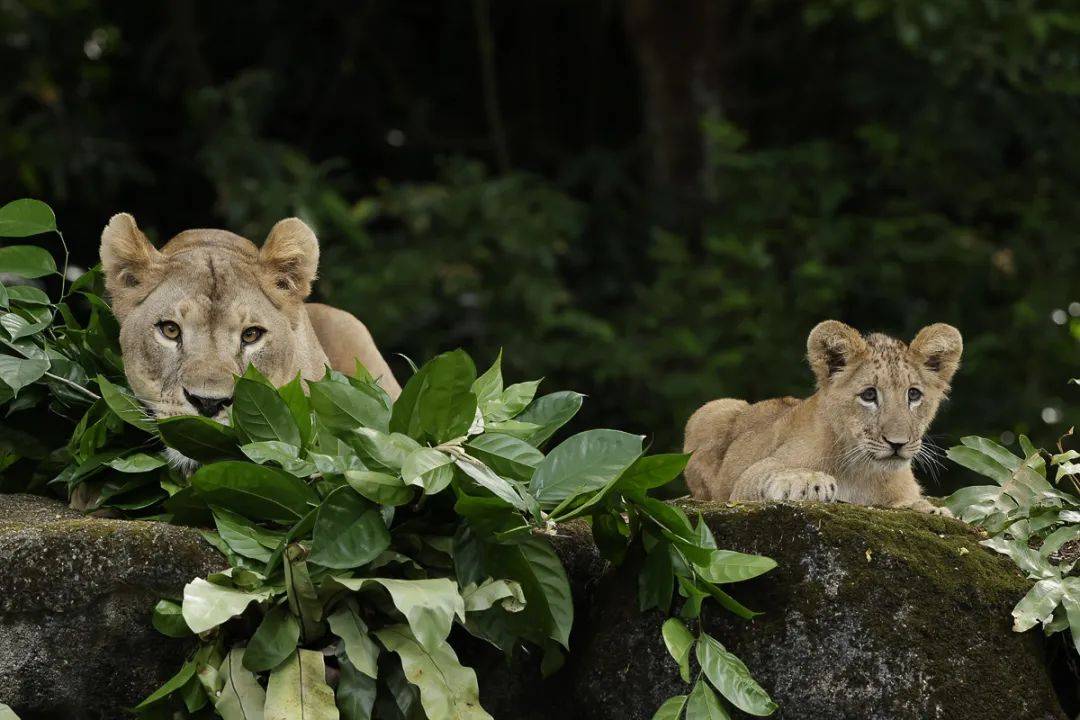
(1032, 512)
(361, 533)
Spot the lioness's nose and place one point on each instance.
(208, 406)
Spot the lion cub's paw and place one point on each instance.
(801, 485)
(925, 506)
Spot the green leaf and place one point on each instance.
(171, 685)
(25, 217)
(5, 299)
(485, 478)
(671, 709)
(199, 438)
(379, 487)
(255, 491)
(18, 327)
(550, 413)
(349, 531)
(388, 451)
(679, 643)
(17, 373)
(656, 582)
(285, 455)
(126, 407)
(244, 537)
(137, 463)
(731, 677)
(260, 413)
(511, 401)
(549, 607)
(207, 605)
(980, 462)
(241, 697)
(429, 605)
(505, 592)
(448, 690)
(704, 705)
(297, 689)
(356, 692)
(343, 407)
(585, 462)
(1038, 605)
(488, 387)
(273, 642)
(363, 653)
(304, 600)
(168, 619)
(446, 405)
(28, 295)
(505, 454)
(1071, 603)
(299, 406)
(26, 261)
(653, 471)
(993, 450)
(727, 566)
(428, 468)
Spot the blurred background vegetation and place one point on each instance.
(649, 201)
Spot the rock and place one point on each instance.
(76, 595)
(871, 614)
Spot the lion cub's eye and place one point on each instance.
(169, 329)
(252, 334)
(914, 395)
(868, 395)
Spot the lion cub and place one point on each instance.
(852, 441)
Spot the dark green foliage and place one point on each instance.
(887, 165)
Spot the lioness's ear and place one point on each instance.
(831, 347)
(290, 258)
(938, 347)
(129, 261)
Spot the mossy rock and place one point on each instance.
(871, 614)
(76, 595)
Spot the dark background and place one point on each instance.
(649, 201)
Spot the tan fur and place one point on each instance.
(214, 284)
(832, 446)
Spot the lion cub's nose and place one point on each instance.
(896, 445)
(208, 406)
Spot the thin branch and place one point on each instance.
(486, 45)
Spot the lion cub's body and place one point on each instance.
(835, 445)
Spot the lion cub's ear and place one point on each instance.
(831, 347)
(289, 259)
(130, 263)
(938, 347)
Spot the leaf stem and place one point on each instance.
(63, 273)
(74, 385)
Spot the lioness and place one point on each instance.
(195, 314)
(852, 441)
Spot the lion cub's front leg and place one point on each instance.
(769, 479)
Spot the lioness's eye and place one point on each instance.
(169, 329)
(252, 334)
(868, 395)
(914, 395)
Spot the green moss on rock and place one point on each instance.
(871, 614)
(76, 595)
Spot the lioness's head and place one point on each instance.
(879, 394)
(195, 313)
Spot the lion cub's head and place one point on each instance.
(878, 394)
(197, 312)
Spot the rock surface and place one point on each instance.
(76, 595)
(871, 614)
